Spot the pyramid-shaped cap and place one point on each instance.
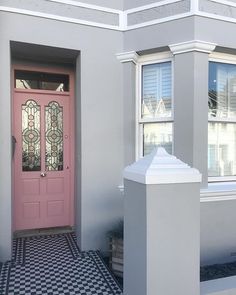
(159, 167)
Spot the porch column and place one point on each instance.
(191, 103)
(129, 60)
(5, 153)
(161, 227)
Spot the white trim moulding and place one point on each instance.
(217, 17)
(123, 15)
(89, 6)
(130, 56)
(194, 45)
(57, 17)
(150, 6)
(194, 6)
(159, 21)
(224, 2)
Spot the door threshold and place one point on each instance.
(43, 231)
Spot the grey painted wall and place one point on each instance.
(162, 232)
(129, 112)
(5, 152)
(218, 233)
(158, 12)
(217, 8)
(159, 35)
(136, 3)
(64, 10)
(191, 110)
(115, 4)
(99, 111)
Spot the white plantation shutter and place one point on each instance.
(156, 90)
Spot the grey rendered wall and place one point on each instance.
(65, 10)
(5, 152)
(153, 37)
(218, 234)
(115, 4)
(100, 128)
(129, 112)
(191, 105)
(158, 12)
(218, 229)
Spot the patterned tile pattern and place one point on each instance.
(53, 265)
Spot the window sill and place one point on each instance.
(220, 191)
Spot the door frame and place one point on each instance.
(52, 70)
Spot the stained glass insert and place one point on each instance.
(31, 136)
(54, 136)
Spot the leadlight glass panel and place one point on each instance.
(54, 136)
(31, 136)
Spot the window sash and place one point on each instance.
(140, 120)
(221, 151)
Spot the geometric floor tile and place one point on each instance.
(53, 265)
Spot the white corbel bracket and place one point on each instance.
(130, 56)
(194, 45)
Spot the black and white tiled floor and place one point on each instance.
(53, 265)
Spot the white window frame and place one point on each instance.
(226, 59)
(156, 58)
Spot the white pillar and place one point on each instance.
(162, 227)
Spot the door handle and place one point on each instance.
(43, 174)
(13, 146)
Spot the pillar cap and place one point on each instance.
(159, 167)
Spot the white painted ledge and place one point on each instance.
(130, 56)
(224, 286)
(159, 167)
(221, 191)
(194, 45)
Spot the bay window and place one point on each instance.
(222, 121)
(155, 115)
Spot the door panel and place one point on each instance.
(42, 160)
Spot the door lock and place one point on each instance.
(43, 174)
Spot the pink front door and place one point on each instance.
(42, 162)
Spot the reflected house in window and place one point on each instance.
(222, 120)
(45, 81)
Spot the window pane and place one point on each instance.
(222, 90)
(156, 90)
(31, 136)
(45, 81)
(221, 149)
(157, 134)
(54, 136)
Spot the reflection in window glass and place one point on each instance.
(222, 119)
(156, 90)
(157, 134)
(221, 149)
(44, 81)
(222, 90)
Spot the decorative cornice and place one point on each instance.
(194, 45)
(159, 167)
(130, 56)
